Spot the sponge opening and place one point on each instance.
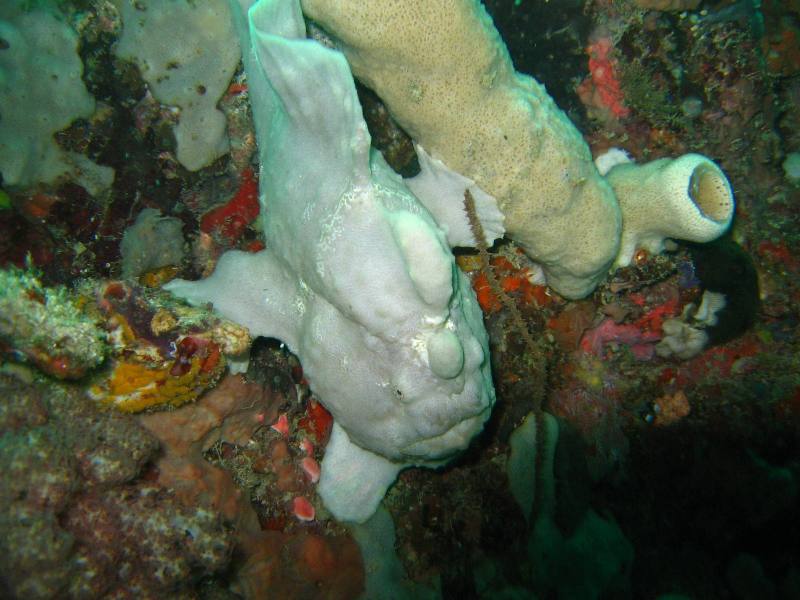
(711, 193)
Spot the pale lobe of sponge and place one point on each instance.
(187, 53)
(42, 92)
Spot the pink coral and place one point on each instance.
(303, 509)
(601, 90)
(311, 468)
(641, 342)
(281, 425)
(640, 336)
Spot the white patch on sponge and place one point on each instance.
(610, 159)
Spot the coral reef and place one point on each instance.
(601, 91)
(228, 427)
(164, 353)
(144, 531)
(99, 504)
(56, 447)
(48, 326)
(692, 454)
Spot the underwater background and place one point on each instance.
(152, 449)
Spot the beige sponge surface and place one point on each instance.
(446, 76)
